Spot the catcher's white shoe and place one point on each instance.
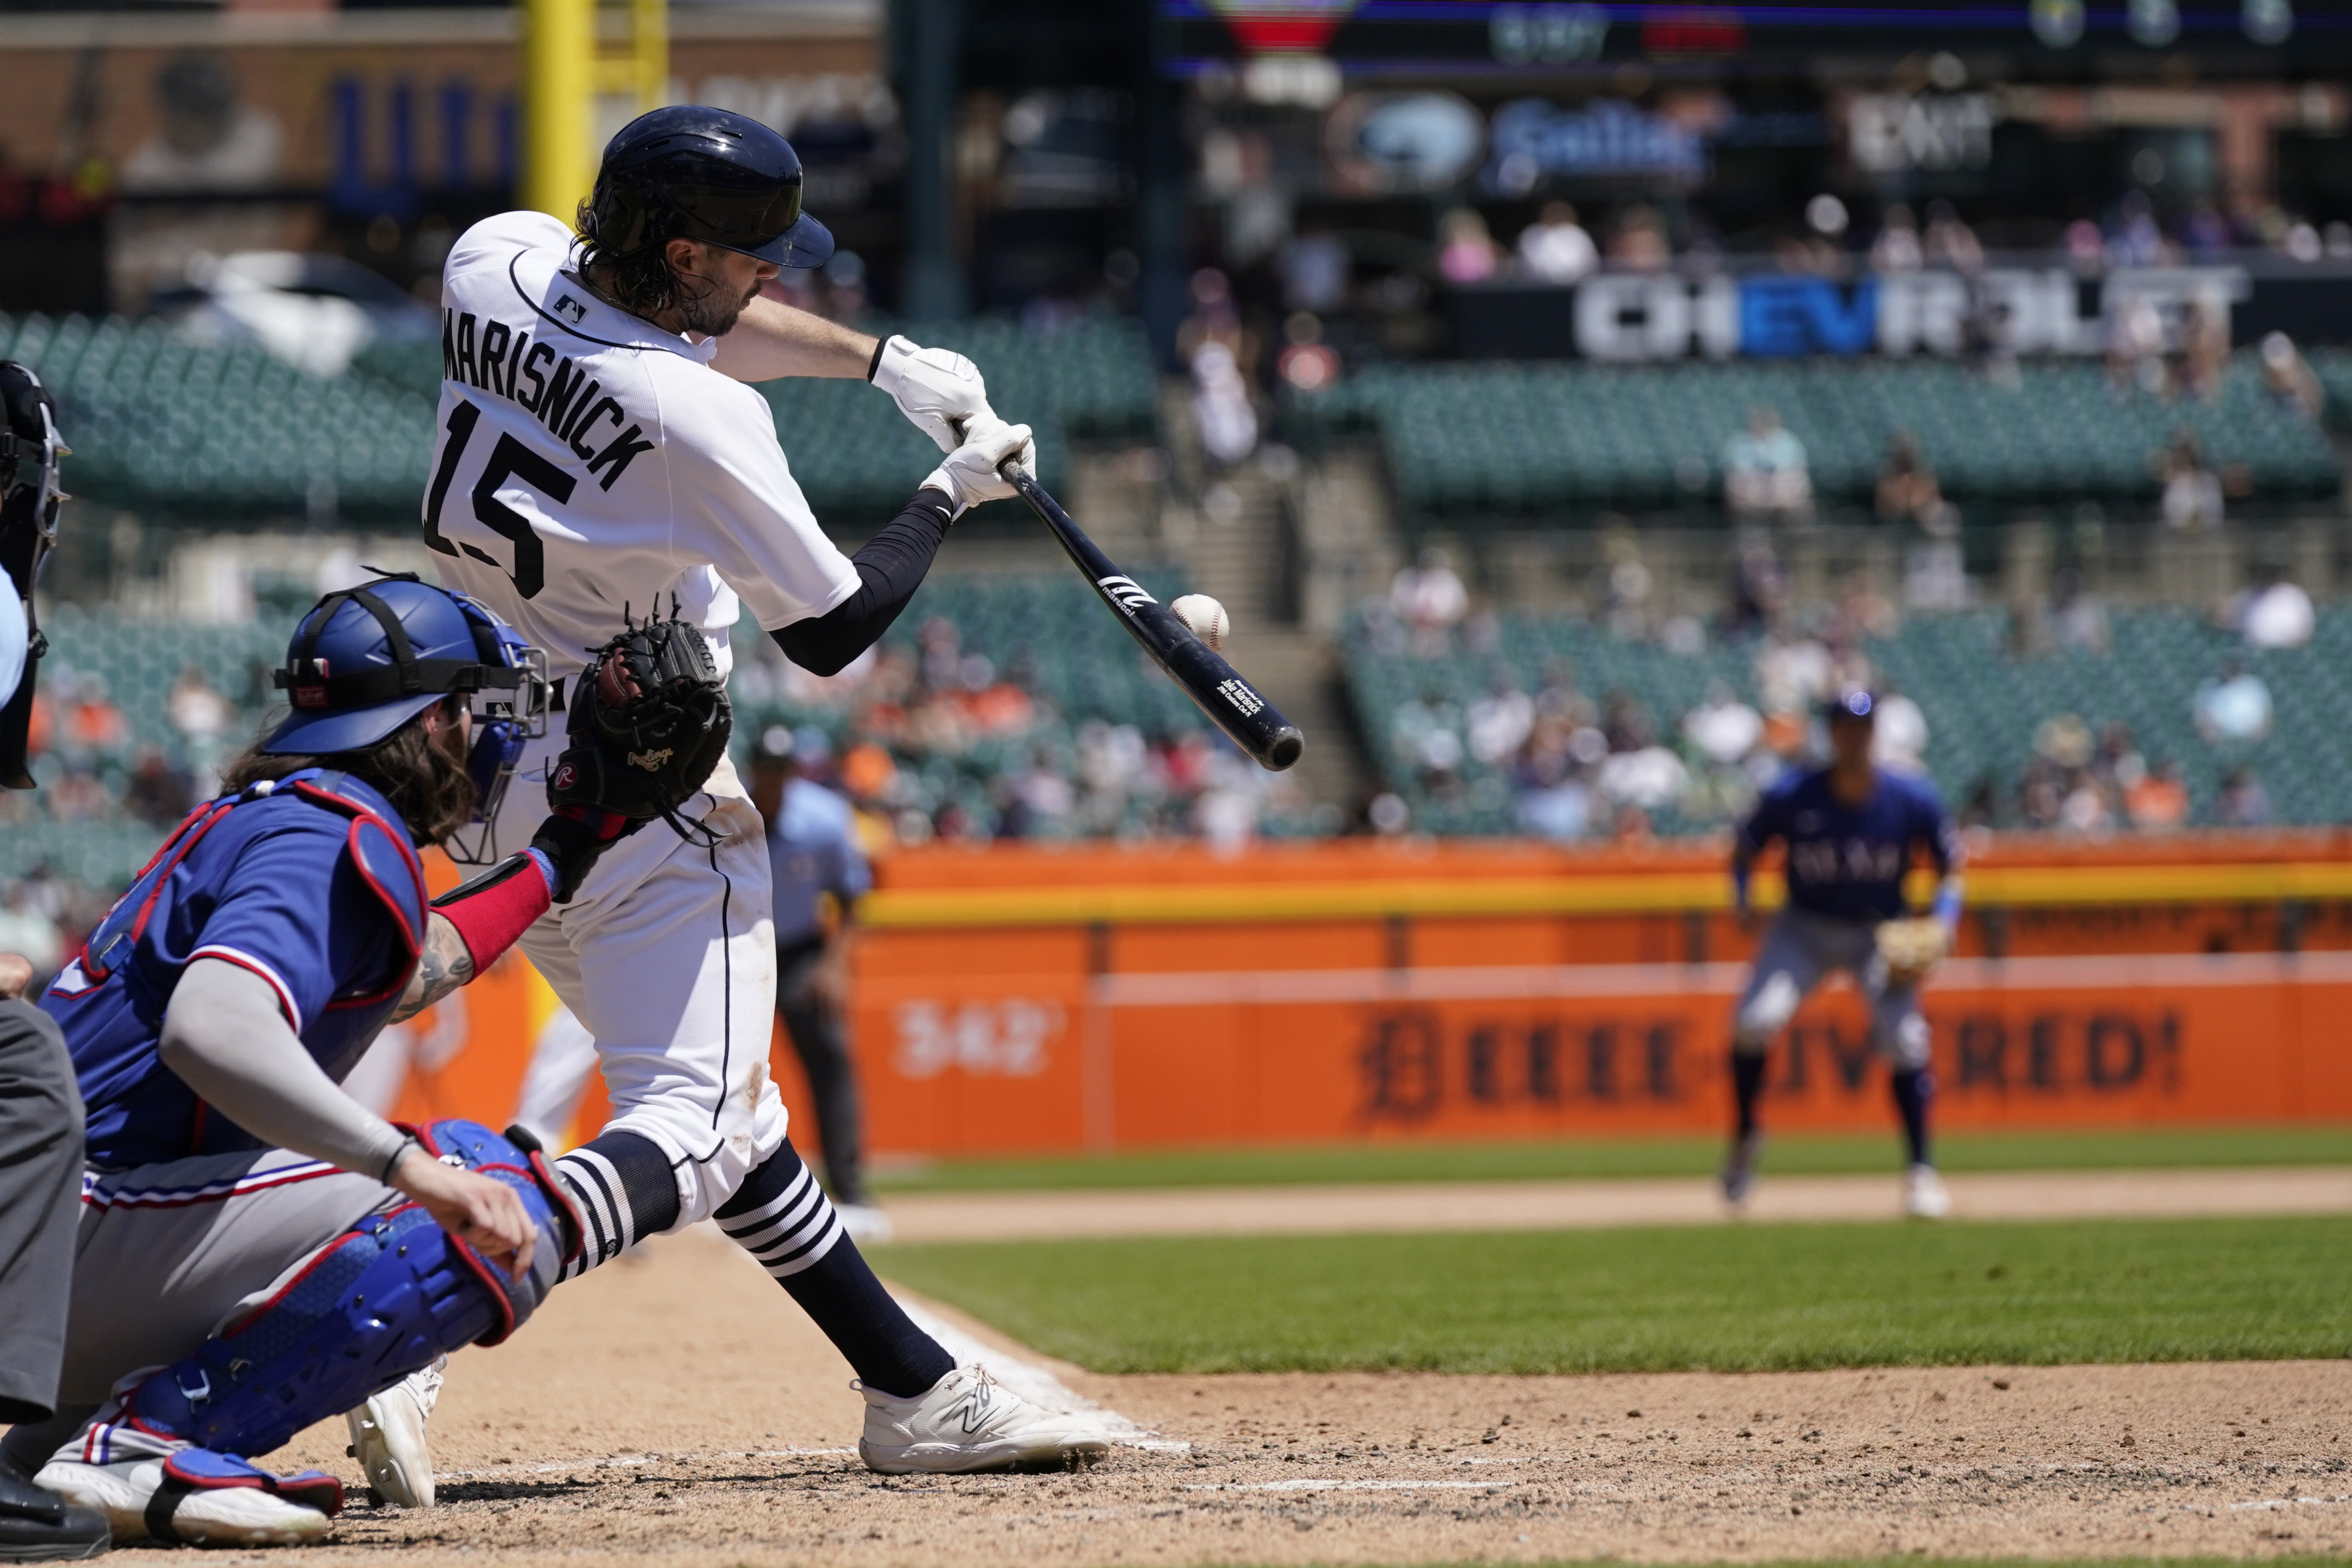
(968, 1422)
(1923, 1196)
(211, 1499)
(388, 1437)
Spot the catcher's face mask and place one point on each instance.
(30, 454)
(504, 719)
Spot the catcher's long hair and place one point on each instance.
(424, 783)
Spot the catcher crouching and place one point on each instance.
(1851, 829)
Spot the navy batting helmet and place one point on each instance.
(709, 174)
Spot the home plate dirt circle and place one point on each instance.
(678, 1406)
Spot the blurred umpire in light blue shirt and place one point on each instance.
(813, 851)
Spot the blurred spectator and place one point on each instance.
(2277, 613)
(92, 723)
(2204, 231)
(2235, 706)
(1908, 490)
(1427, 737)
(196, 710)
(1314, 266)
(2204, 349)
(1638, 243)
(1220, 404)
(1901, 740)
(1897, 249)
(2288, 379)
(1552, 799)
(1467, 251)
(1306, 362)
(1215, 319)
(1555, 248)
(2136, 239)
(1500, 721)
(2158, 800)
(27, 927)
(1793, 674)
(2135, 350)
(1759, 585)
(2243, 802)
(1429, 596)
(157, 794)
(2077, 620)
(2192, 492)
(1724, 729)
(1950, 242)
(1765, 475)
(2087, 248)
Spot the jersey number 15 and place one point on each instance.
(509, 459)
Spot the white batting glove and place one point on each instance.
(938, 389)
(969, 476)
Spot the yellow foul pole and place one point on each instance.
(558, 97)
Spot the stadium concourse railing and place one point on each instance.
(1035, 999)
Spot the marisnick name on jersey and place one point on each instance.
(494, 357)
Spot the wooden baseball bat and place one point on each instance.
(1232, 704)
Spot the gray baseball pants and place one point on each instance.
(40, 1178)
(1799, 952)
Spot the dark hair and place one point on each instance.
(429, 788)
(641, 281)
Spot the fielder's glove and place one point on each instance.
(938, 389)
(969, 475)
(647, 726)
(1910, 948)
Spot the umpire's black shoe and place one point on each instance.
(39, 1526)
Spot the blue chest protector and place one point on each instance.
(312, 883)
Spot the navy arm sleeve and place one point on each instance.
(890, 567)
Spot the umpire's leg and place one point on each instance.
(40, 1208)
(813, 1024)
(40, 1205)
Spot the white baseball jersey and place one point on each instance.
(588, 461)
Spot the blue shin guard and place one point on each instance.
(382, 1300)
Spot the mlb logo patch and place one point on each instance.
(572, 309)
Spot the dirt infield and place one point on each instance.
(680, 1408)
(1555, 1206)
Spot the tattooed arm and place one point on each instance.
(441, 968)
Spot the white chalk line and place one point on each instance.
(1312, 1484)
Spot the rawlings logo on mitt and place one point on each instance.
(649, 724)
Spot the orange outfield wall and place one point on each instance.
(1022, 999)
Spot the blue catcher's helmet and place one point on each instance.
(689, 172)
(366, 660)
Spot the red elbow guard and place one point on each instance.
(496, 907)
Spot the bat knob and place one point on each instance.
(1287, 747)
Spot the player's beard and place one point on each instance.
(713, 313)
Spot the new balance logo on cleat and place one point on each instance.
(1237, 692)
(1124, 593)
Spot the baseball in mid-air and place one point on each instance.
(1205, 616)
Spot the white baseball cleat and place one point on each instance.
(1923, 1196)
(968, 1422)
(864, 1224)
(388, 1437)
(132, 1495)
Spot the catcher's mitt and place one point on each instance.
(648, 723)
(1911, 947)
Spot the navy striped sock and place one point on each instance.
(782, 1217)
(625, 1191)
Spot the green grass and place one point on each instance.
(1727, 1298)
(1624, 1157)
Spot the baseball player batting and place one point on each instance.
(599, 454)
(1851, 830)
